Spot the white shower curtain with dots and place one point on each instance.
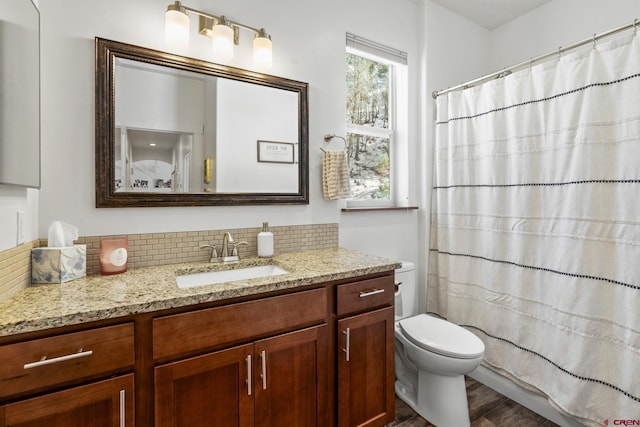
(535, 226)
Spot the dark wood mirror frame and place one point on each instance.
(106, 197)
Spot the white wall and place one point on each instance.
(308, 45)
(557, 23)
(254, 113)
(150, 99)
(13, 200)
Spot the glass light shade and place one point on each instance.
(176, 29)
(222, 41)
(262, 52)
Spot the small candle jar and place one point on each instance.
(113, 255)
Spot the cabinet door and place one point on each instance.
(366, 369)
(291, 379)
(209, 390)
(102, 404)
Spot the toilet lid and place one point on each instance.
(442, 337)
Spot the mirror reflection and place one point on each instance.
(169, 121)
(177, 131)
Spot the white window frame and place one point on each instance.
(397, 132)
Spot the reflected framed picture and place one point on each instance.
(276, 152)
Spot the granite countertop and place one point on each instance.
(148, 289)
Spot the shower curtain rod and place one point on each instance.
(507, 71)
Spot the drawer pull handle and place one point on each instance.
(45, 361)
(263, 356)
(371, 292)
(123, 403)
(249, 386)
(348, 342)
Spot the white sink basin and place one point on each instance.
(214, 277)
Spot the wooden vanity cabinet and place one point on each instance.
(279, 380)
(314, 357)
(68, 380)
(107, 403)
(365, 353)
(273, 382)
(206, 390)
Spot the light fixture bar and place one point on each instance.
(223, 31)
(210, 20)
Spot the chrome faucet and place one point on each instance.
(229, 250)
(225, 244)
(230, 255)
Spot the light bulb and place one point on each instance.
(176, 29)
(262, 51)
(222, 41)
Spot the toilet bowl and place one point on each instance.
(432, 357)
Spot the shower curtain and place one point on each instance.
(535, 226)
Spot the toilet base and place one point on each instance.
(441, 400)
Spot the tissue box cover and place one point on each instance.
(58, 265)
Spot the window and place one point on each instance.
(376, 123)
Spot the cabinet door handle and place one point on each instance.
(45, 361)
(249, 386)
(371, 292)
(123, 403)
(263, 356)
(347, 349)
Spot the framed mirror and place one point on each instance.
(20, 94)
(178, 131)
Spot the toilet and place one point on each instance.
(432, 357)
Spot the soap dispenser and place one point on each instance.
(265, 241)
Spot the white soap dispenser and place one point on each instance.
(265, 241)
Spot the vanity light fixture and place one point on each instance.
(224, 33)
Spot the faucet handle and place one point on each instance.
(234, 252)
(214, 251)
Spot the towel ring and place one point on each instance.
(328, 137)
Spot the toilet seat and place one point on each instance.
(442, 337)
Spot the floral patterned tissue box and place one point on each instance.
(58, 265)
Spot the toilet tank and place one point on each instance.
(405, 301)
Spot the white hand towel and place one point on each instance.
(335, 175)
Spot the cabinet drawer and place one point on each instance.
(190, 332)
(365, 294)
(40, 363)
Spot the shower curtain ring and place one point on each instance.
(594, 40)
(635, 26)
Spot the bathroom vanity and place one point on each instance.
(311, 347)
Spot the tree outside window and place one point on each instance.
(369, 128)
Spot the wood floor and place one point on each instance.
(487, 408)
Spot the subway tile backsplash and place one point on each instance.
(178, 247)
(15, 269)
(169, 248)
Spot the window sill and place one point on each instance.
(374, 209)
